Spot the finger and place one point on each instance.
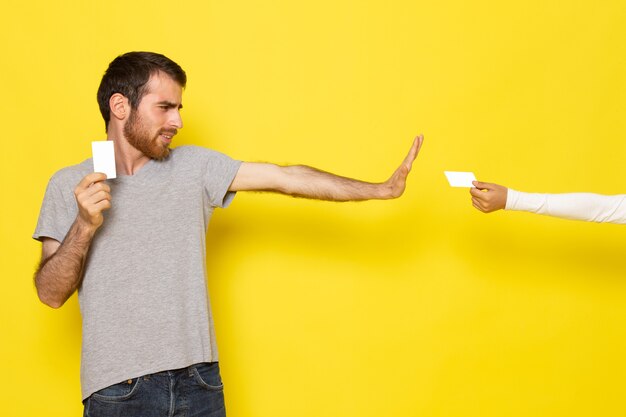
(90, 179)
(481, 196)
(95, 212)
(91, 206)
(419, 139)
(477, 207)
(98, 197)
(483, 185)
(93, 189)
(486, 205)
(475, 192)
(103, 205)
(415, 148)
(101, 186)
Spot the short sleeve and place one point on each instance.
(220, 173)
(55, 218)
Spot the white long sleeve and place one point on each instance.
(575, 206)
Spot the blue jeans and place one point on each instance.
(196, 391)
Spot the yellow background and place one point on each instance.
(420, 306)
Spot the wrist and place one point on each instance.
(84, 228)
(511, 199)
(388, 190)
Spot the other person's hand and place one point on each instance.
(488, 197)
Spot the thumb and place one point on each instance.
(483, 185)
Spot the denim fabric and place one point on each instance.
(196, 391)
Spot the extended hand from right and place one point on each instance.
(488, 197)
(93, 196)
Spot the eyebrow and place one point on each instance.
(169, 104)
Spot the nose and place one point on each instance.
(176, 120)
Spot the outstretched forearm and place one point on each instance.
(60, 273)
(575, 206)
(307, 182)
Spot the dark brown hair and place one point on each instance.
(128, 75)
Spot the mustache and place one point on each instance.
(169, 132)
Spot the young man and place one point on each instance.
(148, 338)
(488, 197)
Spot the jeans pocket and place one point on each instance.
(118, 392)
(208, 376)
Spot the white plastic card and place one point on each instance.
(104, 157)
(460, 179)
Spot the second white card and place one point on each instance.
(460, 179)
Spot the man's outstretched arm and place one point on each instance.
(308, 182)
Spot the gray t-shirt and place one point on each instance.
(143, 297)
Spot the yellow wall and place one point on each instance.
(416, 307)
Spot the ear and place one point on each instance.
(119, 106)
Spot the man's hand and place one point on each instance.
(93, 196)
(61, 268)
(308, 182)
(488, 197)
(397, 182)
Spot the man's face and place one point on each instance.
(151, 127)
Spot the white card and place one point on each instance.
(104, 157)
(460, 179)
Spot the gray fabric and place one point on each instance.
(143, 298)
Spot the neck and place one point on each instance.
(128, 160)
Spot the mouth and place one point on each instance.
(166, 137)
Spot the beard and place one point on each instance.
(140, 137)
